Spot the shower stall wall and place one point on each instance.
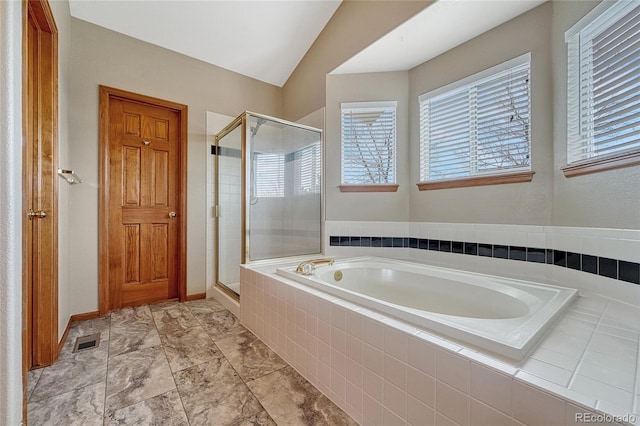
(268, 193)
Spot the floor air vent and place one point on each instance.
(87, 342)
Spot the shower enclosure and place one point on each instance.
(268, 193)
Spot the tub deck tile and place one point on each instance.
(593, 330)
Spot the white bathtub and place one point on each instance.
(501, 315)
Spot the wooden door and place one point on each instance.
(39, 189)
(144, 147)
(39, 181)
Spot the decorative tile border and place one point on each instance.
(226, 152)
(611, 268)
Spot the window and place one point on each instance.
(308, 169)
(477, 126)
(603, 103)
(369, 143)
(270, 175)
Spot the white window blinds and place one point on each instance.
(269, 175)
(603, 104)
(477, 126)
(308, 164)
(369, 142)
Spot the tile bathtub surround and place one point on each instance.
(603, 261)
(173, 363)
(380, 370)
(610, 268)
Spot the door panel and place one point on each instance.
(160, 178)
(160, 249)
(132, 253)
(132, 124)
(143, 237)
(131, 175)
(161, 129)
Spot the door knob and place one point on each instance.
(37, 214)
(172, 214)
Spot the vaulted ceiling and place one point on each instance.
(261, 39)
(267, 39)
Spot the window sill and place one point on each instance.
(387, 187)
(516, 177)
(600, 164)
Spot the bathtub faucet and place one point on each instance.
(308, 266)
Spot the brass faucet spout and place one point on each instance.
(308, 266)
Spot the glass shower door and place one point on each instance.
(229, 209)
(283, 198)
(268, 194)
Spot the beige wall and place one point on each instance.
(100, 56)
(525, 203)
(314, 119)
(62, 17)
(354, 26)
(605, 199)
(376, 206)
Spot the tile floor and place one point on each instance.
(174, 364)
